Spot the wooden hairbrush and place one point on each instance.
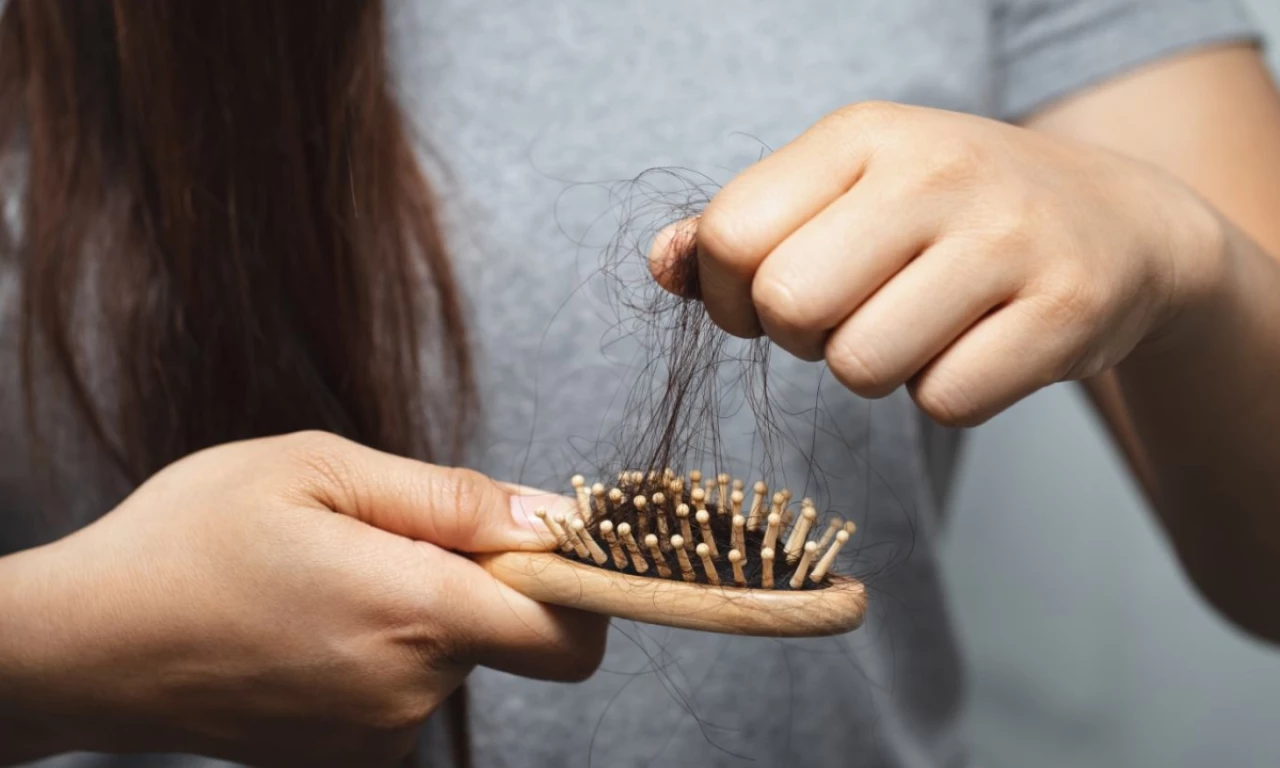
(654, 550)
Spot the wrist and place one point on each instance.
(1201, 259)
(36, 711)
(67, 676)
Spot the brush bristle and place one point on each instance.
(649, 516)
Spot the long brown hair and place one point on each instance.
(226, 195)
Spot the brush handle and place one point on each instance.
(551, 578)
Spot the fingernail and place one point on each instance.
(526, 502)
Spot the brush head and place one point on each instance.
(698, 565)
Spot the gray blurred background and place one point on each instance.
(1088, 646)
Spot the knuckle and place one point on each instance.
(321, 457)
(778, 303)
(725, 237)
(950, 163)
(855, 364)
(948, 401)
(1070, 300)
(463, 494)
(873, 110)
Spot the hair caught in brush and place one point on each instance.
(649, 510)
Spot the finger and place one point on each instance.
(1000, 360)
(496, 626)
(759, 208)
(824, 270)
(673, 258)
(918, 314)
(456, 509)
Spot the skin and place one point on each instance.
(285, 601)
(1126, 239)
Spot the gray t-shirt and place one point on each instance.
(534, 110)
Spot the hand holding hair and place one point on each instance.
(225, 609)
(973, 260)
(976, 262)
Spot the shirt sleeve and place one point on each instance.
(1048, 49)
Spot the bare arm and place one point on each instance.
(1197, 412)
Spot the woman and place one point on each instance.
(219, 236)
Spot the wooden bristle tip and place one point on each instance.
(757, 505)
(615, 548)
(682, 514)
(686, 567)
(576, 537)
(637, 559)
(832, 527)
(738, 536)
(829, 557)
(642, 519)
(593, 546)
(771, 533)
(557, 530)
(660, 511)
(802, 570)
(735, 560)
(800, 534)
(779, 503)
(708, 565)
(651, 543)
(704, 522)
(766, 561)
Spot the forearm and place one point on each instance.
(30, 726)
(1204, 403)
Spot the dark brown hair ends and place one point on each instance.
(227, 197)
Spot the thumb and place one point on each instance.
(456, 509)
(673, 259)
